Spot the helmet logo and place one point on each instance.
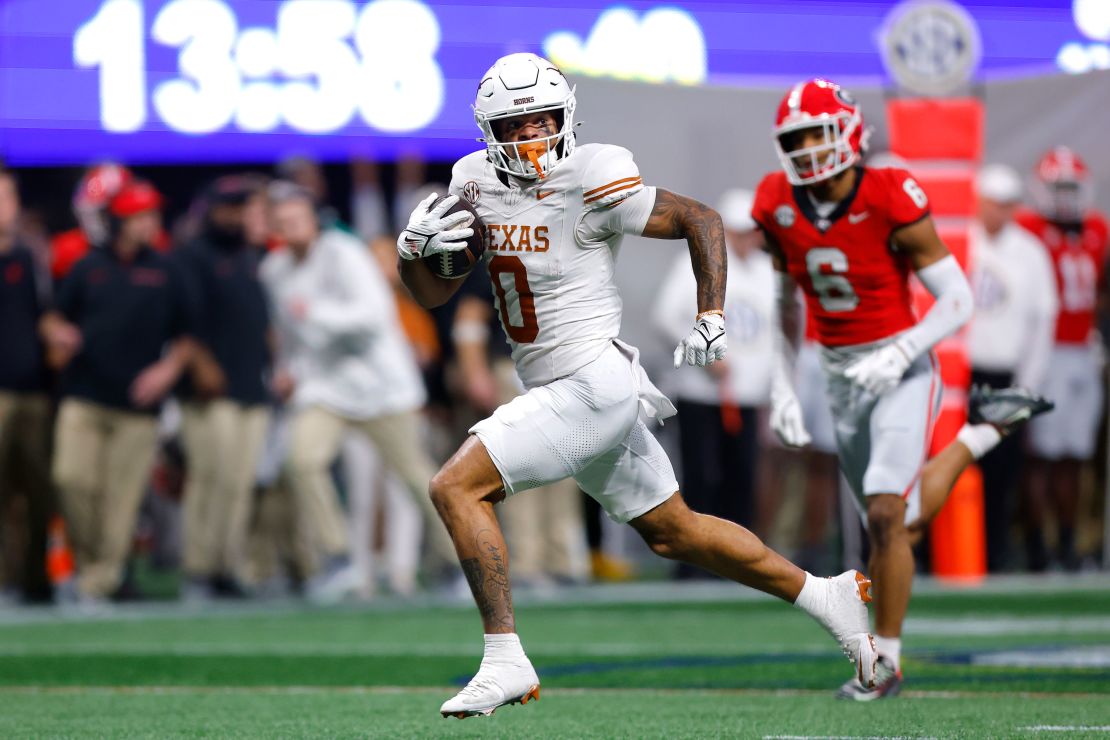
(844, 97)
(523, 101)
(471, 192)
(784, 216)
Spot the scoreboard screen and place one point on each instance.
(250, 80)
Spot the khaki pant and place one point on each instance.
(544, 527)
(102, 462)
(314, 441)
(275, 542)
(223, 440)
(25, 470)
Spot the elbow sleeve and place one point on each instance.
(953, 308)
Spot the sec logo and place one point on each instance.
(471, 192)
(784, 216)
(931, 47)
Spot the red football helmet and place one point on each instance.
(830, 110)
(96, 190)
(1061, 187)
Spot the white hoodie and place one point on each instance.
(348, 352)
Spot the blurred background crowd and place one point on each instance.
(213, 385)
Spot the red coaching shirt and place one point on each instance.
(856, 285)
(1079, 258)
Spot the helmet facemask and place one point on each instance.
(833, 155)
(534, 158)
(1061, 187)
(1063, 201)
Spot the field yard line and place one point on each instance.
(998, 625)
(915, 626)
(453, 649)
(561, 691)
(957, 626)
(844, 737)
(1066, 728)
(573, 597)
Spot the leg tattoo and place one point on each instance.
(488, 576)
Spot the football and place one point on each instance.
(454, 265)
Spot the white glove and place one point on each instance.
(430, 232)
(705, 344)
(879, 371)
(787, 421)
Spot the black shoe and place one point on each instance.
(1005, 409)
(229, 587)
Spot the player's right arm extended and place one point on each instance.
(786, 412)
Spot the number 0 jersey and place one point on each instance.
(552, 245)
(856, 285)
(1079, 257)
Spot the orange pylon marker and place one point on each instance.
(59, 558)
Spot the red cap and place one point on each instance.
(135, 197)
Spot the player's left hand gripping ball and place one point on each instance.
(431, 232)
(879, 371)
(705, 344)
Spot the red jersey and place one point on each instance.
(66, 250)
(70, 247)
(856, 286)
(1079, 257)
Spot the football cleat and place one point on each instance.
(1005, 409)
(888, 684)
(845, 617)
(606, 567)
(340, 580)
(495, 685)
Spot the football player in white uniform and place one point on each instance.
(555, 215)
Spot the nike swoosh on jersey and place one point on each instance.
(855, 218)
(541, 194)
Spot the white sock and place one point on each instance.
(504, 647)
(979, 438)
(890, 648)
(813, 598)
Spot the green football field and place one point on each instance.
(1011, 659)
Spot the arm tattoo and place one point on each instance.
(675, 217)
(488, 576)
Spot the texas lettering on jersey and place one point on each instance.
(856, 286)
(552, 250)
(514, 238)
(1078, 258)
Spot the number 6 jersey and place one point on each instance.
(552, 247)
(855, 283)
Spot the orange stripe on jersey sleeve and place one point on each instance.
(599, 196)
(595, 191)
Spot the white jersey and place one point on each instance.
(338, 330)
(1015, 303)
(552, 245)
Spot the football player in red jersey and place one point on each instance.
(94, 192)
(850, 236)
(1075, 237)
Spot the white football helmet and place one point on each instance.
(518, 84)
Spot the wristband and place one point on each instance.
(710, 312)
